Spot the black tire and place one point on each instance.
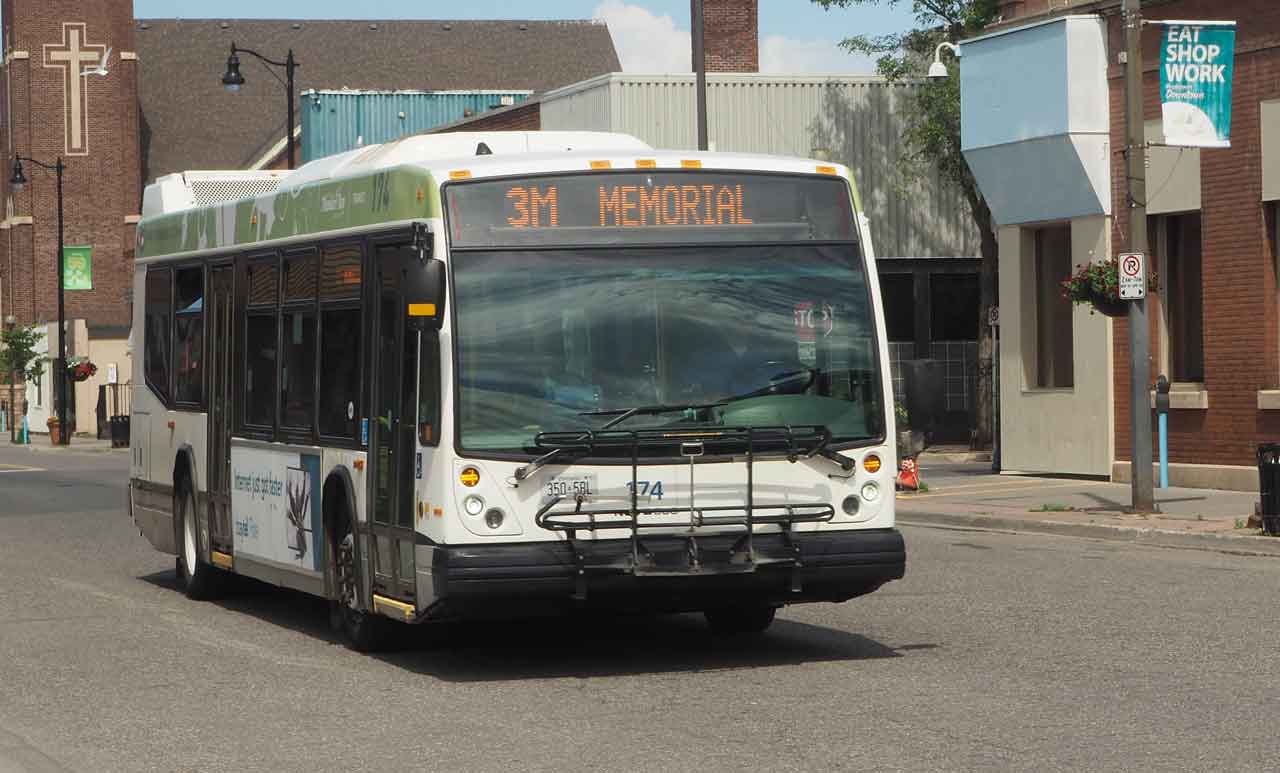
(739, 620)
(364, 631)
(198, 580)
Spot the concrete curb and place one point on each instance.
(953, 457)
(1239, 545)
(74, 448)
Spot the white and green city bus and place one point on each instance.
(503, 374)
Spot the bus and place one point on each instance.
(488, 375)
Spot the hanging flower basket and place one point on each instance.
(1110, 307)
(81, 370)
(1098, 284)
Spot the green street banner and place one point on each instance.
(77, 268)
(1197, 62)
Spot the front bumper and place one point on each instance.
(536, 578)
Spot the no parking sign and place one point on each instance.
(1133, 285)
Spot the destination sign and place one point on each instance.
(668, 206)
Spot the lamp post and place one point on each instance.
(938, 70)
(700, 71)
(232, 80)
(17, 182)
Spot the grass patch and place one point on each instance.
(1052, 508)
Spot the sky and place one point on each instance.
(650, 35)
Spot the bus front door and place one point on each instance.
(392, 426)
(220, 331)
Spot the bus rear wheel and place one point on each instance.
(198, 580)
(740, 619)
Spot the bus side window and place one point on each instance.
(429, 390)
(262, 340)
(159, 304)
(340, 366)
(188, 382)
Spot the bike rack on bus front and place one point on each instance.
(791, 443)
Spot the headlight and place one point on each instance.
(850, 505)
(473, 504)
(494, 518)
(870, 492)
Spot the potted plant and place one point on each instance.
(55, 430)
(1098, 284)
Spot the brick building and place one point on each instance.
(160, 108)
(1043, 129)
(52, 111)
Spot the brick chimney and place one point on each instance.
(732, 35)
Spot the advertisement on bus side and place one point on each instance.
(275, 506)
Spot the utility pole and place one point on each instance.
(700, 70)
(1139, 332)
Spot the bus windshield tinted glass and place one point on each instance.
(757, 335)
(661, 206)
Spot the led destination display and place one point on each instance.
(674, 206)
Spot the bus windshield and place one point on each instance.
(748, 335)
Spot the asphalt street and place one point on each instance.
(997, 651)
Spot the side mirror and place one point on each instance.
(424, 295)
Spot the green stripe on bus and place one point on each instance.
(390, 195)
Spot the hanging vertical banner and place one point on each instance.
(77, 268)
(1197, 61)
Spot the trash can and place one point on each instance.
(119, 431)
(1269, 487)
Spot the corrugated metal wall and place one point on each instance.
(334, 121)
(857, 120)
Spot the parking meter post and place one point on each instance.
(1162, 413)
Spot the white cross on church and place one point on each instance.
(71, 56)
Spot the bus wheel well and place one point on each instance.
(335, 498)
(181, 470)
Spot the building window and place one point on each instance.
(954, 302)
(156, 360)
(1178, 241)
(188, 316)
(898, 292)
(1051, 312)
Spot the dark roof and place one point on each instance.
(190, 122)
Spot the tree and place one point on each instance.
(18, 358)
(932, 136)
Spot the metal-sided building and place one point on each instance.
(338, 121)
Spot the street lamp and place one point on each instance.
(938, 70)
(18, 182)
(233, 80)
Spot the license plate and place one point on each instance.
(569, 487)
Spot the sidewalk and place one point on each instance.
(967, 495)
(41, 444)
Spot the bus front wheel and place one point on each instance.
(365, 631)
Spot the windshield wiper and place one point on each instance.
(620, 415)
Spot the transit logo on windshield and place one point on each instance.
(633, 206)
